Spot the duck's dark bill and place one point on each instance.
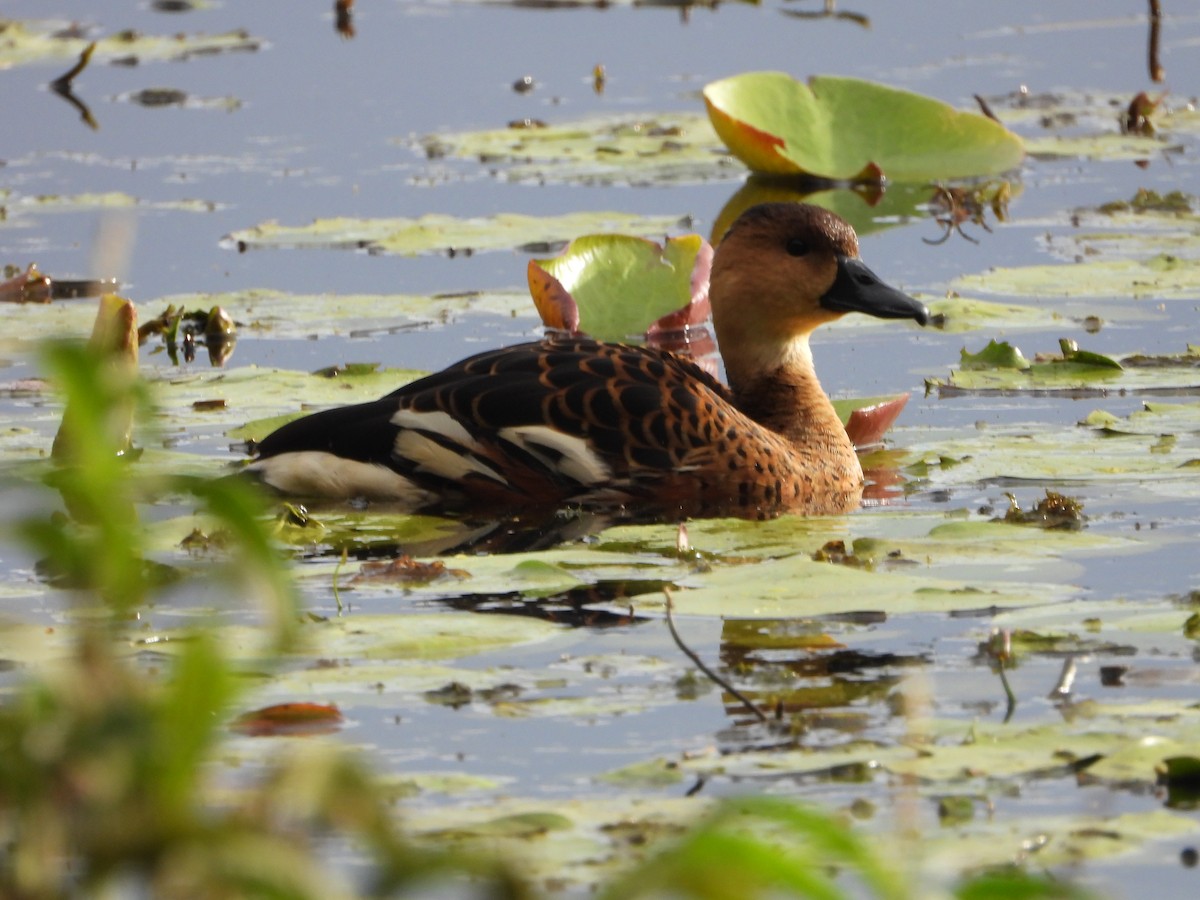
(858, 289)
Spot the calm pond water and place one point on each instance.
(326, 126)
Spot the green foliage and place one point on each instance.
(762, 847)
(104, 782)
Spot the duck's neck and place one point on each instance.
(778, 388)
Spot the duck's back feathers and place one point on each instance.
(557, 421)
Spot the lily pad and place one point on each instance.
(1073, 371)
(25, 42)
(955, 314)
(268, 314)
(614, 287)
(51, 203)
(849, 129)
(447, 234)
(669, 148)
(1155, 418)
(1161, 277)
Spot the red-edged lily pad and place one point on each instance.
(847, 129)
(870, 419)
(615, 286)
(289, 719)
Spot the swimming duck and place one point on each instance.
(573, 422)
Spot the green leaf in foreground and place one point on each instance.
(846, 128)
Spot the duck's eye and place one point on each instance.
(797, 246)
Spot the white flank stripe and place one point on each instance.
(312, 473)
(578, 461)
(444, 462)
(437, 422)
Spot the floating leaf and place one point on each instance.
(1078, 370)
(51, 41)
(620, 285)
(1162, 277)
(1155, 418)
(667, 148)
(996, 355)
(446, 234)
(848, 129)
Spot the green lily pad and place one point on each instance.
(446, 234)
(51, 203)
(668, 148)
(40, 41)
(1161, 277)
(421, 636)
(956, 314)
(996, 355)
(845, 128)
(621, 285)
(1155, 418)
(1076, 370)
(268, 314)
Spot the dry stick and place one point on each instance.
(1157, 73)
(713, 676)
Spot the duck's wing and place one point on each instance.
(540, 423)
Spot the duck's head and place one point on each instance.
(782, 270)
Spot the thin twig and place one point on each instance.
(337, 595)
(1157, 73)
(713, 676)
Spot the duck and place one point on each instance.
(570, 422)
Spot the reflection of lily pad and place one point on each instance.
(667, 148)
(846, 128)
(866, 211)
(447, 234)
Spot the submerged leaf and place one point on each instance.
(846, 128)
(289, 719)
